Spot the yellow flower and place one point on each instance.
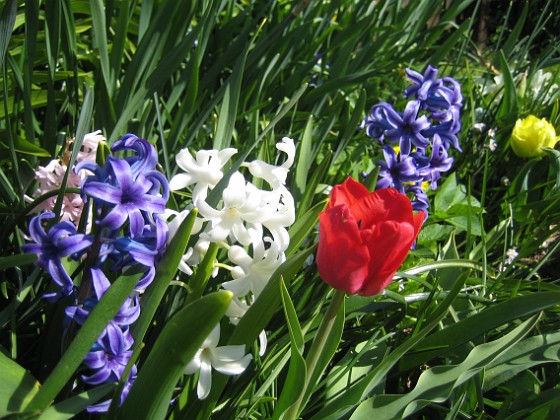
(530, 135)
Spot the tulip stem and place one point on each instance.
(315, 352)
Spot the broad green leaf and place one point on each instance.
(328, 345)
(437, 384)
(302, 227)
(200, 277)
(230, 103)
(176, 345)
(17, 260)
(508, 108)
(305, 158)
(23, 146)
(100, 40)
(486, 320)
(532, 351)
(7, 21)
(17, 387)
(449, 194)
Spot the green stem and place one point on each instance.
(315, 353)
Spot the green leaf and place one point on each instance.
(358, 391)
(437, 384)
(302, 227)
(228, 110)
(295, 380)
(7, 21)
(17, 260)
(165, 271)
(98, 319)
(508, 108)
(328, 347)
(81, 130)
(71, 407)
(17, 388)
(475, 325)
(176, 345)
(257, 317)
(23, 146)
(532, 351)
(100, 40)
(305, 158)
(449, 194)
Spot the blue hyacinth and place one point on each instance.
(416, 142)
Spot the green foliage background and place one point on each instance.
(466, 332)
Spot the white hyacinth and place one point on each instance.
(228, 360)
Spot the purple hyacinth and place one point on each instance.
(396, 170)
(425, 131)
(129, 194)
(127, 315)
(438, 163)
(60, 241)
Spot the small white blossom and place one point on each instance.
(228, 360)
(241, 202)
(204, 172)
(253, 273)
(274, 175)
(511, 255)
(479, 127)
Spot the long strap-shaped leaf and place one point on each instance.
(437, 384)
(177, 344)
(166, 269)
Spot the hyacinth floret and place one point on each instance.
(61, 240)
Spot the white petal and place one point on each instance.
(227, 353)
(237, 362)
(239, 256)
(194, 365)
(204, 380)
(263, 342)
(239, 287)
(235, 194)
(225, 155)
(180, 181)
(213, 339)
(185, 160)
(288, 147)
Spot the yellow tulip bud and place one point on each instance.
(530, 135)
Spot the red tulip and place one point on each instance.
(364, 237)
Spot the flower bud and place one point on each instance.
(530, 135)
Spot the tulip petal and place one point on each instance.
(384, 204)
(389, 243)
(342, 257)
(347, 193)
